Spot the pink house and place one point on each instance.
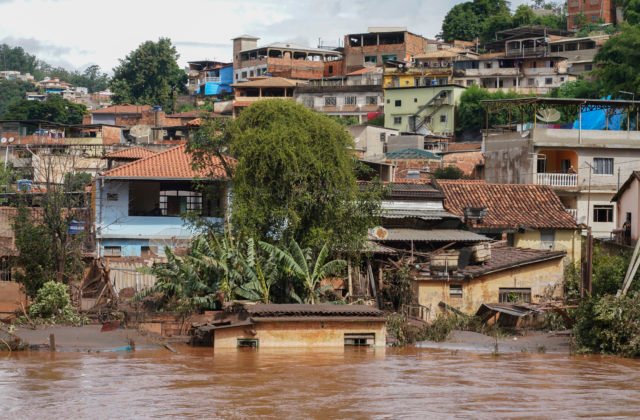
(628, 209)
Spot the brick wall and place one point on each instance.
(354, 56)
(593, 10)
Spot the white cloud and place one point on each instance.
(77, 32)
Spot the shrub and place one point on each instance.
(609, 325)
(52, 305)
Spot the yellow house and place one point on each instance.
(511, 275)
(527, 216)
(298, 325)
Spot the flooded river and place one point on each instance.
(410, 383)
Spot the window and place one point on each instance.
(350, 100)
(308, 102)
(415, 100)
(251, 73)
(145, 252)
(603, 214)
(387, 57)
(175, 203)
(416, 81)
(455, 290)
(562, 79)
(388, 101)
(371, 59)
(330, 70)
(488, 65)
(112, 251)
(371, 100)
(469, 82)
(588, 67)
(398, 102)
(548, 80)
(514, 295)
(530, 82)
(244, 74)
(330, 101)
(443, 119)
(397, 120)
(383, 137)
(603, 166)
(360, 339)
(112, 197)
(443, 81)
(547, 238)
(252, 343)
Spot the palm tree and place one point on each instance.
(310, 273)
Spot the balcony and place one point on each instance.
(573, 213)
(557, 180)
(210, 80)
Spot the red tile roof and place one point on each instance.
(132, 153)
(123, 109)
(174, 163)
(509, 206)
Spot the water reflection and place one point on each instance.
(352, 383)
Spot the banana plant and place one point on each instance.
(309, 272)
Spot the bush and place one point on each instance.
(609, 325)
(53, 306)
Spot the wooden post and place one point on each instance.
(52, 342)
(349, 278)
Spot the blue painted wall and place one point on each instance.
(114, 226)
(218, 88)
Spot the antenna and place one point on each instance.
(11, 139)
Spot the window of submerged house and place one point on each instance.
(372, 100)
(514, 295)
(359, 339)
(173, 199)
(330, 101)
(350, 100)
(455, 290)
(252, 343)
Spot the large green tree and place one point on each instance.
(295, 178)
(54, 109)
(149, 75)
(618, 62)
(465, 20)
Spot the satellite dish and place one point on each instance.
(379, 233)
(11, 139)
(549, 115)
(140, 131)
(3, 140)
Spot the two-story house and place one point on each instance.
(280, 59)
(583, 162)
(425, 109)
(139, 205)
(246, 93)
(210, 78)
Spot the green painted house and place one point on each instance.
(423, 110)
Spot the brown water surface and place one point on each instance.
(410, 383)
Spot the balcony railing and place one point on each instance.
(557, 180)
(573, 213)
(210, 80)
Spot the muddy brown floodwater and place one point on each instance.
(386, 383)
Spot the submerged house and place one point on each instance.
(296, 325)
(139, 205)
(488, 274)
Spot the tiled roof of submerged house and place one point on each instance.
(504, 257)
(174, 163)
(509, 206)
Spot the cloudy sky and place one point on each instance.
(77, 33)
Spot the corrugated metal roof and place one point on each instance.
(419, 214)
(412, 154)
(434, 235)
(292, 309)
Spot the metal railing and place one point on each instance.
(557, 179)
